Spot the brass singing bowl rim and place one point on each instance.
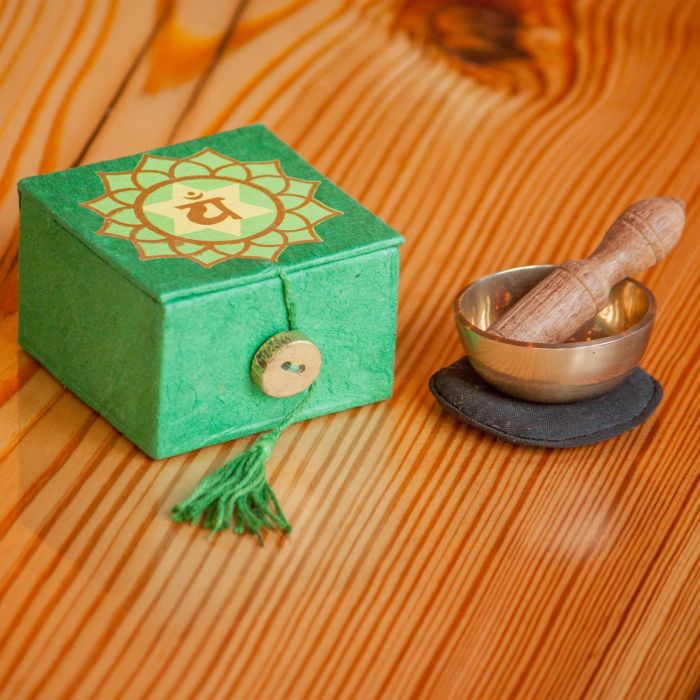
(638, 327)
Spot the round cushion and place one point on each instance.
(464, 394)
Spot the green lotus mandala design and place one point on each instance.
(209, 208)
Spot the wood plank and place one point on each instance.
(70, 62)
(167, 79)
(427, 560)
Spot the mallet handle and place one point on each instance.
(578, 289)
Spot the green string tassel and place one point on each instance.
(237, 495)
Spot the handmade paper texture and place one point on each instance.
(162, 347)
(348, 308)
(97, 333)
(353, 233)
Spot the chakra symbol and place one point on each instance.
(209, 208)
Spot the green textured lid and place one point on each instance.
(209, 214)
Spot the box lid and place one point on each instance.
(209, 214)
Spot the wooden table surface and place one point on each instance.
(427, 560)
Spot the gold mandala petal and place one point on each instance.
(208, 208)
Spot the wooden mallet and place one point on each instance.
(577, 290)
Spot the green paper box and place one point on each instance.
(148, 283)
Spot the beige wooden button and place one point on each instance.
(286, 364)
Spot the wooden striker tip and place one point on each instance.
(659, 219)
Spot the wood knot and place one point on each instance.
(492, 40)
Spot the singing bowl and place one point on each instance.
(598, 357)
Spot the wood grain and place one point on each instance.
(427, 559)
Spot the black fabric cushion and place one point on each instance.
(464, 394)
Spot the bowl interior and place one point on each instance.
(490, 297)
